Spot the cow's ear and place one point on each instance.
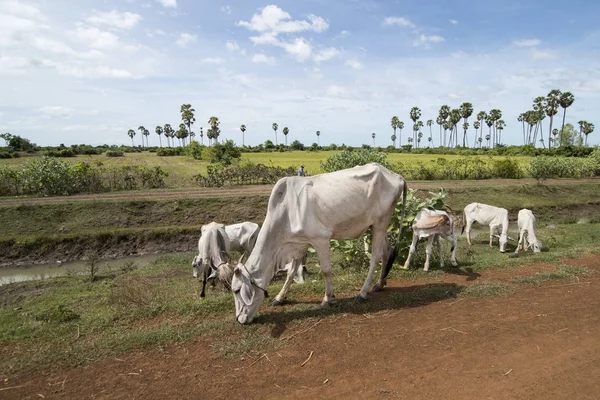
(237, 272)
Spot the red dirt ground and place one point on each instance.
(254, 190)
(543, 342)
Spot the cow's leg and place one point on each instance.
(428, 252)
(439, 245)
(322, 250)
(521, 238)
(492, 231)
(378, 247)
(282, 295)
(452, 239)
(468, 231)
(413, 247)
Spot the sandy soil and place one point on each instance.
(543, 342)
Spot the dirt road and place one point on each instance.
(258, 190)
(543, 342)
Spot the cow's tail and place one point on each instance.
(396, 248)
(464, 223)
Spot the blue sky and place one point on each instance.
(87, 71)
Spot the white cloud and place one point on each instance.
(232, 45)
(400, 21)
(544, 54)
(56, 111)
(185, 39)
(354, 64)
(115, 19)
(168, 3)
(300, 49)
(263, 59)
(454, 22)
(213, 60)
(96, 38)
(20, 9)
(527, 43)
(226, 9)
(326, 54)
(274, 20)
(425, 40)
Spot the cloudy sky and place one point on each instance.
(83, 71)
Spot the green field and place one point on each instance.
(182, 168)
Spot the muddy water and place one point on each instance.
(43, 271)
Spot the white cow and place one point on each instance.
(495, 217)
(212, 260)
(526, 222)
(242, 237)
(308, 212)
(432, 224)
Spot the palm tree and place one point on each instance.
(285, 133)
(476, 125)
(443, 115)
(588, 128)
(318, 140)
(466, 110)
(142, 129)
(521, 119)
(465, 127)
(539, 109)
(202, 136)
(159, 132)
(275, 126)
(146, 133)
(566, 100)
(454, 120)
(187, 116)
(487, 138)
(168, 130)
(373, 136)
(495, 116)
(393, 140)
(429, 123)
(395, 122)
(420, 134)
(400, 127)
(551, 107)
(500, 125)
(415, 114)
(214, 128)
(243, 129)
(489, 122)
(440, 121)
(182, 133)
(131, 134)
(555, 134)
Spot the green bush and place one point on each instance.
(223, 153)
(351, 158)
(194, 149)
(60, 153)
(246, 173)
(473, 168)
(542, 168)
(114, 153)
(170, 151)
(9, 154)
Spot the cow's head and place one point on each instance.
(247, 296)
(196, 265)
(503, 240)
(536, 246)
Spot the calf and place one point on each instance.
(433, 224)
(526, 222)
(495, 217)
(212, 260)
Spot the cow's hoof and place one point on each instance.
(360, 300)
(377, 288)
(514, 255)
(325, 304)
(276, 302)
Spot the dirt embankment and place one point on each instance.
(541, 343)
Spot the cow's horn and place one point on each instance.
(241, 258)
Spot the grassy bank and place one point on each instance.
(73, 320)
(67, 231)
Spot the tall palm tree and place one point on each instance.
(521, 119)
(495, 116)
(466, 110)
(499, 126)
(187, 116)
(393, 140)
(214, 129)
(489, 122)
(146, 133)
(465, 127)
(131, 134)
(318, 138)
(415, 114)
(182, 133)
(429, 123)
(142, 129)
(168, 130)
(419, 134)
(440, 121)
(551, 107)
(556, 138)
(202, 136)
(373, 136)
(275, 126)
(400, 127)
(159, 131)
(565, 101)
(539, 109)
(476, 125)
(444, 113)
(395, 122)
(285, 133)
(243, 129)
(454, 120)
(588, 128)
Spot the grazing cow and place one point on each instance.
(433, 224)
(526, 222)
(309, 212)
(212, 260)
(242, 237)
(495, 217)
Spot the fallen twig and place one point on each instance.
(308, 359)
(562, 330)
(508, 372)
(255, 361)
(11, 387)
(306, 330)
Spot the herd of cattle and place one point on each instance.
(308, 212)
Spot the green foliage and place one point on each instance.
(61, 153)
(351, 158)
(8, 154)
(246, 173)
(194, 150)
(17, 143)
(169, 151)
(460, 169)
(221, 153)
(542, 168)
(297, 145)
(114, 153)
(59, 313)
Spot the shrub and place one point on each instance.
(542, 168)
(9, 154)
(59, 313)
(221, 153)
(114, 153)
(61, 153)
(246, 173)
(194, 150)
(170, 151)
(351, 158)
